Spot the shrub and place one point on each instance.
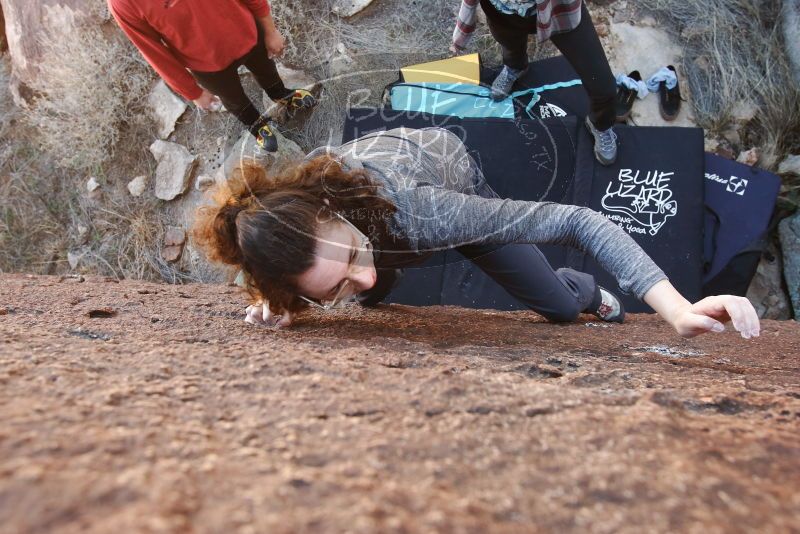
(734, 52)
(90, 87)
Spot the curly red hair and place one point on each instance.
(266, 224)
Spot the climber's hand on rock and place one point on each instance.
(260, 314)
(710, 314)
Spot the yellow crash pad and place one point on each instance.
(459, 69)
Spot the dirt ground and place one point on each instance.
(138, 407)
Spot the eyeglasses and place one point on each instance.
(345, 294)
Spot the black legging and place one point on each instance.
(228, 87)
(581, 47)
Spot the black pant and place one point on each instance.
(228, 87)
(524, 272)
(581, 47)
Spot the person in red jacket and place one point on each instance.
(197, 46)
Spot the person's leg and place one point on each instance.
(511, 32)
(524, 272)
(228, 87)
(264, 70)
(583, 50)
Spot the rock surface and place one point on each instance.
(245, 149)
(172, 253)
(175, 168)
(175, 235)
(174, 238)
(646, 48)
(27, 25)
(137, 186)
(204, 181)
(166, 108)
(791, 165)
(92, 184)
(749, 157)
(340, 62)
(171, 414)
(791, 32)
(766, 289)
(348, 8)
(789, 232)
(75, 256)
(296, 79)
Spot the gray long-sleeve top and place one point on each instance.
(443, 202)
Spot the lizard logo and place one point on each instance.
(645, 199)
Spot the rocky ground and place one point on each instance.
(130, 406)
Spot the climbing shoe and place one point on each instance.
(610, 308)
(605, 144)
(298, 99)
(265, 139)
(501, 87)
(669, 99)
(625, 98)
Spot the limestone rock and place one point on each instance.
(172, 253)
(744, 111)
(27, 25)
(348, 8)
(137, 186)
(790, 165)
(766, 291)
(204, 182)
(174, 236)
(711, 144)
(92, 185)
(175, 168)
(246, 149)
(789, 232)
(791, 33)
(724, 149)
(296, 79)
(166, 108)
(74, 256)
(749, 157)
(174, 239)
(732, 135)
(340, 62)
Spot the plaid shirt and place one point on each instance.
(552, 16)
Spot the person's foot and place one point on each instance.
(265, 139)
(605, 144)
(610, 308)
(298, 99)
(669, 99)
(501, 87)
(625, 98)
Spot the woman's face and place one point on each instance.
(341, 265)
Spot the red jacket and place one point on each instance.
(202, 35)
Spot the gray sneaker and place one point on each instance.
(605, 144)
(501, 87)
